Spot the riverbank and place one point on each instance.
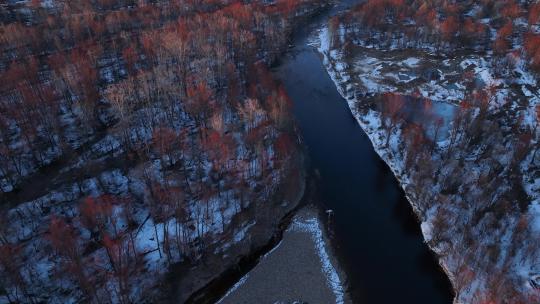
(460, 152)
(256, 230)
(339, 71)
(261, 227)
(300, 269)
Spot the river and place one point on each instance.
(376, 235)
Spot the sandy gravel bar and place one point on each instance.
(300, 269)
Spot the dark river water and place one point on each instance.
(376, 235)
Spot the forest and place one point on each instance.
(152, 151)
(133, 136)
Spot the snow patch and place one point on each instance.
(313, 227)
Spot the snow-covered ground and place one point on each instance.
(475, 193)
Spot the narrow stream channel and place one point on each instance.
(376, 235)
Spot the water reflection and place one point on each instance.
(435, 117)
